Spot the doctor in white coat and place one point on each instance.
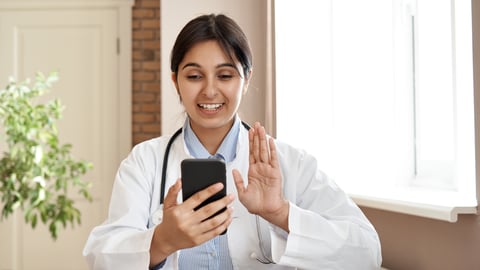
(282, 211)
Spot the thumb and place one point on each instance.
(237, 178)
(171, 198)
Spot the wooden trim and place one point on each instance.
(125, 79)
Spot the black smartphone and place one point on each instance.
(198, 174)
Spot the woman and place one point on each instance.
(282, 211)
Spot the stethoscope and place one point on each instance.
(157, 216)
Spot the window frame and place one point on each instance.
(409, 196)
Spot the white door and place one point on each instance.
(82, 46)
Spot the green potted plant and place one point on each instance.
(36, 170)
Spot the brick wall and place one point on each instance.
(145, 70)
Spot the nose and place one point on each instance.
(210, 90)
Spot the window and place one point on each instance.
(381, 92)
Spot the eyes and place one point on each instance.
(222, 75)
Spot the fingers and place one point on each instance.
(211, 208)
(264, 153)
(214, 217)
(182, 227)
(259, 146)
(214, 207)
(197, 198)
(251, 135)
(239, 185)
(214, 226)
(171, 198)
(273, 154)
(219, 223)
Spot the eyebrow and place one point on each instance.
(218, 66)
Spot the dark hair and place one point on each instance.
(219, 27)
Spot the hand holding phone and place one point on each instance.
(198, 174)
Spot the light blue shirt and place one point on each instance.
(212, 254)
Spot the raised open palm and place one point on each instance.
(263, 195)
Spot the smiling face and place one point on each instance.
(210, 86)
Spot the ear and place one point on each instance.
(247, 81)
(175, 82)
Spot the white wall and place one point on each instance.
(251, 15)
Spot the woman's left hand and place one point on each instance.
(263, 195)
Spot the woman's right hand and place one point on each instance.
(182, 227)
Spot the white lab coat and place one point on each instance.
(327, 230)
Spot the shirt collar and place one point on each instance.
(226, 151)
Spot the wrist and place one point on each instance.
(159, 248)
(279, 218)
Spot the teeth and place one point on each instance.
(210, 106)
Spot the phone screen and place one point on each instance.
(198, 174)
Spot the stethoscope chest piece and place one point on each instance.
(157, 216)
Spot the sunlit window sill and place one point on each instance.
(440, 205)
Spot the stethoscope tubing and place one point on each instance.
(165, 164)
